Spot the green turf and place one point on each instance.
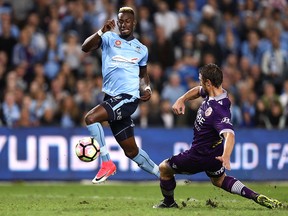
(131, 199)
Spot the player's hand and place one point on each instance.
(109, 25)
(225, 161)
(145, 95)
(179, 107)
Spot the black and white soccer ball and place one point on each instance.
(87, 149)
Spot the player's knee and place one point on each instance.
(89, 119)
(217, 181)
(130, 153)
(164, 167)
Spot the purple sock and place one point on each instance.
(167, 189)
(234, 186)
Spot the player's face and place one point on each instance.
(125, 24)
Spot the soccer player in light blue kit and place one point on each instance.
(124, 67)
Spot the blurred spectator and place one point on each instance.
(7, 17)
(37, 38)
(247, 24)
(49, 119)
(54, 28)
(144, 118)
(79, 22)
(53, 56)
(167, 115)
(27, 118)
(173, 89)
(3, 73)
(251, 48)
(7, 41)
(11, 111)
(162, 49)
(23, 51)
(68, 77)
(284, 102)
(275, 62)
(72, 52)
(21, 9)
(236, 114)
(144, 26)
(194, 16)
(229, 42)
(108, 12)
(157, 76)
(257, 77)
(212, 46)
(56, 93)
(154, 109)
(187, 69)
(84, 95)
(248, 107)
(166, 19)
(68, 113)
(89, 68)
(179, 8)
(39, 77)
(211, 18)
(272, 107)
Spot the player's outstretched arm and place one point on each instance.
(145, 89)
(179, 106)
(94, 41)
(228, 148)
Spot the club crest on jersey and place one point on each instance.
(208, 111)
(117, 44)
(138, 49)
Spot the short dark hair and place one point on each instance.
(213, 73)
(126, 10)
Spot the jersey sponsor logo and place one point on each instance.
(208, 111)
(120, 59)
(199, 119)
(226, 120)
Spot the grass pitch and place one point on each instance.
(132, 199)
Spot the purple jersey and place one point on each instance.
(213, 119)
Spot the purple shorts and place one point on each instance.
(192, 162)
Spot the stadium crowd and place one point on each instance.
(46, 80)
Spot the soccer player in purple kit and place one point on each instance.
(212, 145)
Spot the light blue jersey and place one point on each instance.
(120, 64)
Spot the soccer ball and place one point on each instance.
(87, 149)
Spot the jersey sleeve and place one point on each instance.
(105, 39)
(222, 121)
(144, 60)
